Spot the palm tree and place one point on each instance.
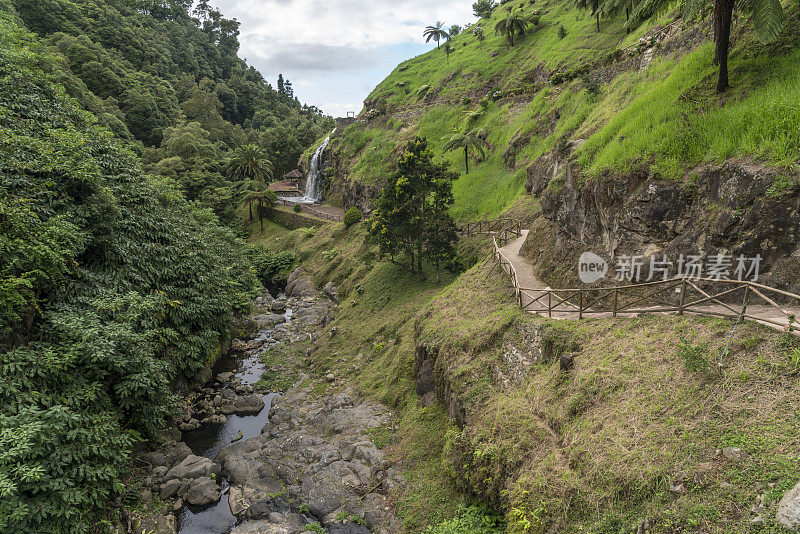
(437, 33)
(249, 190)
(766, 15)
(469, 142)
(249, 162)
(448, 50)
(515, 23)
(594, 6)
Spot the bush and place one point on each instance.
(268, 263)
(352, 216)
(297, 208)
(562, 32)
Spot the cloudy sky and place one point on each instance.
(335, 51)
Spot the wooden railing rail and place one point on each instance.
(733, 299)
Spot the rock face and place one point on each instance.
(299, 285)
(788, 515)
(295, 459)
(717, 209)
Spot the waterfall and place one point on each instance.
(316, 172)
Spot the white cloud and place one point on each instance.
(333, 34)
(335, 50)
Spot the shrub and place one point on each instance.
(352, 216)
(297, 208)
(562, 32)
(268, 263)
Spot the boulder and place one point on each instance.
(169, 489)
(331, 291)
(155, 523)
(203, 491)
(242, 497)
(330, 488)
(378, 515)
(788, 515)
(237, 345)
(176, 453)
(193, 467)
(276, 524)
(278, 307)
(299, 285)
(155, 459)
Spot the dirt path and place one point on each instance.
(527, 280)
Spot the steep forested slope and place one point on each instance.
(167, 75)
(113, 288)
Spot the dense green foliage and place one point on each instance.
(114, 289)
(412, 218)
(268, 264)
(168, 76)
(352, 216)
(470, 520)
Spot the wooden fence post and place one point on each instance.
(550, 304)
(580, 304)
(615, 301)
(744, 299)
(683, 296)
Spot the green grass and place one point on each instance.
(667, 119)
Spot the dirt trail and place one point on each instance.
(527, 280)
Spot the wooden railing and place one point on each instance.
(511, 226)
(700, 296)
(732, 299)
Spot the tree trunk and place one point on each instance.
(466, 158)
(250, 207)
(598, 21)
(723, 13)
(261, 215)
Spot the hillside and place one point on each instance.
(585, 121)
(167, 75)
(630, 439)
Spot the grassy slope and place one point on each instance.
(591, 451)
(667, 116)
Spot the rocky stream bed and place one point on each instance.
(254, 461)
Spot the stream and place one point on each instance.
(209, 439)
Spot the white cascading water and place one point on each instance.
(316, 173)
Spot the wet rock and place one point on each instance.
(237, 345)
(268, 320)
(203, 491)
(278, 307)
(193, 467)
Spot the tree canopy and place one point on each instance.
(412, 222)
